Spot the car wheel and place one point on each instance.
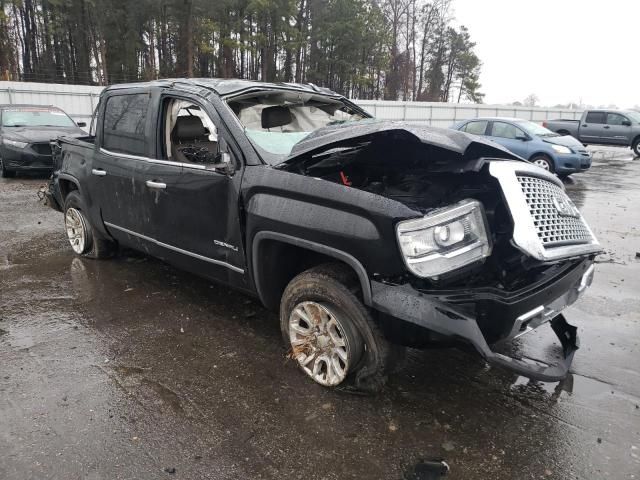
(544, 162)
(4, 173)
(636, 147)
(331, 334)
(82, 236)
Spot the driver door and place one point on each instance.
(511, 137)
(192, 202)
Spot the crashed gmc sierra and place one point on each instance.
(366, 235)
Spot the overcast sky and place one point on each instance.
(561, 50)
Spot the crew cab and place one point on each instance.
(602, 127)
(366, 236)
(25, 135)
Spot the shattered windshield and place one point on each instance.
(275, 121)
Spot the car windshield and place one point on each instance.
(275, 121)
(535, 129)
(634, 116)
(35, 117)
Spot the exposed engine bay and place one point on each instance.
(404, 172)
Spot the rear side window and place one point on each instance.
(125, 118)
(477, 128)
(596, 117)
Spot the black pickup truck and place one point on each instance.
(366, 236)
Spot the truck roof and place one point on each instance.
(226, 86)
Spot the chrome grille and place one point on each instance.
(553, 228)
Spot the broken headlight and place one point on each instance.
(445, 239)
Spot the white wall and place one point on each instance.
(79, 101)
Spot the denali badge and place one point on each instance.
(225, 245)
(565, 206)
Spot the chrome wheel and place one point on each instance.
(319, 343)
(76, 230)
(542, 163)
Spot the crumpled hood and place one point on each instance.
(349, 133)
(41, 134)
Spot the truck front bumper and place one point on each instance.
(520, 312)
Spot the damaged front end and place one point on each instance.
(496, 248)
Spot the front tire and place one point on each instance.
(543, 162)
(331, 334)
(82, 236)
(636, 147)
(4, 173)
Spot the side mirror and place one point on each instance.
(224, 164)
(82, 124)
(522, 138)
(626, 123)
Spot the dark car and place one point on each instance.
(25, 133)
(364, 235)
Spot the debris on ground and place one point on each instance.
(170, 470)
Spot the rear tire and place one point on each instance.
(636, 147)
(4, 173)
(543, 161)
(82, 236)
(331, 334)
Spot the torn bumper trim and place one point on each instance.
(430, 312)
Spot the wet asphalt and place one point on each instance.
(131, 369)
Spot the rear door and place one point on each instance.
(618, 129)
(511, 137)
(592, 127)
(115, 185)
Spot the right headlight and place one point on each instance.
(445, 239)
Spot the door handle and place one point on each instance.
(607, 127)
(157, 185)
(98, 172)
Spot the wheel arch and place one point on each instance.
(271, 275)
(542, 153)
(68, 183)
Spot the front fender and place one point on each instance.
(358, 223)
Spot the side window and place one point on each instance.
(125, 118)
(506, 130)
(189, 134)
(477, 128)
(596, 117)
(615, 119)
